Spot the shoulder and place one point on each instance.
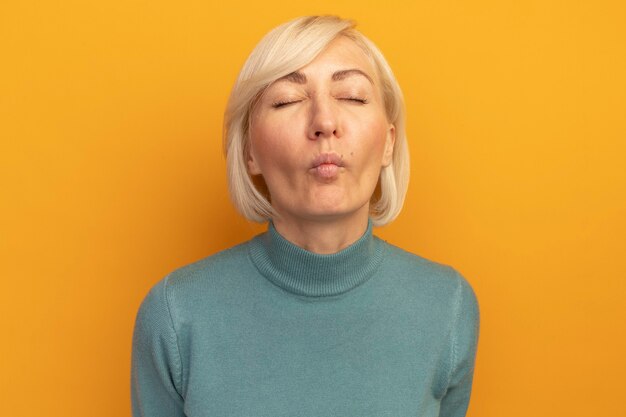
(437, 281)
(214, 267)
(441, 289)
(415, 267)
(191, 286)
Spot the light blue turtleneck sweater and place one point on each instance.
(267, 329)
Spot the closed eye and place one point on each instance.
(280, 104)
(355, 99)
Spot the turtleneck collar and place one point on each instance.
(306, 273)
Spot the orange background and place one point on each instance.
(111, 175)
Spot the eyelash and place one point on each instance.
(280, 104)
(357, 99)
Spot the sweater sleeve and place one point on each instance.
(463, 352)
(156, 369)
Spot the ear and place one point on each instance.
(390, 141)
(253, 167)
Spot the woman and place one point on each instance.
(315, 317)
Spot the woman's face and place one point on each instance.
(320, 136)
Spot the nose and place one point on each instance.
(324, 119)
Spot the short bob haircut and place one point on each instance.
(284, 50)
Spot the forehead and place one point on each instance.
(343, 56)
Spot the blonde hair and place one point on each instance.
(284, 50)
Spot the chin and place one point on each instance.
(332, 212)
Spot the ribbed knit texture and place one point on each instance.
(269, 329)
(306, 273)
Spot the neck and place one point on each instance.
(302, 272)
(322, 236)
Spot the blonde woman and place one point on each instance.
(317, 316)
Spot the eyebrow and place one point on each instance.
(340, 75)
(294, 77)
(299, 78)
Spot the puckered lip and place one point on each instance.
(327, 158)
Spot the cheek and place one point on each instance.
(271, 147)
(371, 139)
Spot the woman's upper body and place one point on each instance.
(267, 329)
(316, 317)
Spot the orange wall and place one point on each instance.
(111, 175)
